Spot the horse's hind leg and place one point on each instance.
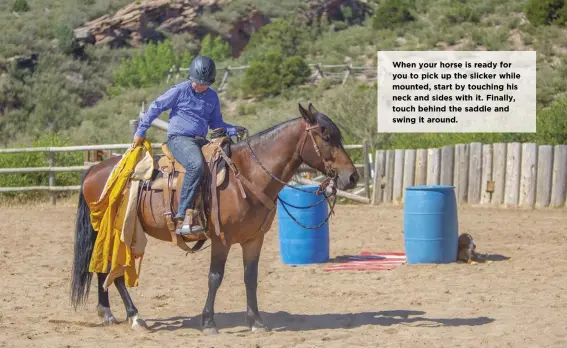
(251, 256)
(131, 311)
(219, 254)
(103, 308)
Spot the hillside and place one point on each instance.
(71, 69)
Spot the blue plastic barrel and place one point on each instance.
(431, 229)
(300, 245)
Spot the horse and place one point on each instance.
(268, 160)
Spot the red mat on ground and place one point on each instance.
(369, 261)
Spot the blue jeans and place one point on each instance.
(187, 151)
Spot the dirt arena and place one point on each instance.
(515, 302)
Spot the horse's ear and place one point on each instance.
(308, 116)
(312, 109)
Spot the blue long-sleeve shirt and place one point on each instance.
(192, 113)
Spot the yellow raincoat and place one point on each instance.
(108, 216)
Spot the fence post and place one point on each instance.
(461, 172)
(347, 73)
(134, 126)
(544, 175)
(475, 173)
(513, 158)
(51, 176)
(409, 170)
(421, 167)
(499, 172)
(447, 165)
(559, 182)
(366, 169)
(224, 77)
(169, 73)
(379, 173)
(389, 188)
(319, 72)
(487, 185)
(433, 166)
(528, 172)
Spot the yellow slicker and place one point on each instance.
(107, 217)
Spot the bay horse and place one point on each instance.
(268, 160)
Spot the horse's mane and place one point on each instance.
(335, 136)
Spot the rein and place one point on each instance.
(330, 173)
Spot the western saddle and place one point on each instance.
(217, 154)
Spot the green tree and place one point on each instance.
(546, 12)
(149, 65)
(64, 35)
(269, 75)
(283, 36)
(392, 13)
(216, 48)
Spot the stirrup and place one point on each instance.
(185, 226)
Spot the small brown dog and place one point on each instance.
(467, 250)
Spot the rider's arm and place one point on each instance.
(217, 122)
(164, 102)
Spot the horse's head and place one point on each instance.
(321, 148)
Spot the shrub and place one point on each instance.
(286, 37)
(150, 65)
(294, 71)
(64, 35)
(269, 75)
(20, 6)
(392, 13)
(217, 49)
(262, 78)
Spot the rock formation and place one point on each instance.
(141, 22)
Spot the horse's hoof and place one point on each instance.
(138, 324)
(110, 321)
(260, 329)
(210, 331)
(106, 314)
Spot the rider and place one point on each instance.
(195, 107)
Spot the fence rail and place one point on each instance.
(318, 70)
(502, 174)
(52, 169)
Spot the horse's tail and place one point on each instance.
(85, 237)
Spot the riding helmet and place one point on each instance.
(202, 70)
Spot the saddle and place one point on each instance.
(169, 179)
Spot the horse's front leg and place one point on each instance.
(251, 256)
(219, 254)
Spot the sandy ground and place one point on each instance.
(516, 302)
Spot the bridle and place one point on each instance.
(330, 173)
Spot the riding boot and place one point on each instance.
(185, 226)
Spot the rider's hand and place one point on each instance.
(240, 129)
(137, 141)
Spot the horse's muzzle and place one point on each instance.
(348, 181)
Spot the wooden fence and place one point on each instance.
(500, 174)
(52, 169)
(338, 72)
